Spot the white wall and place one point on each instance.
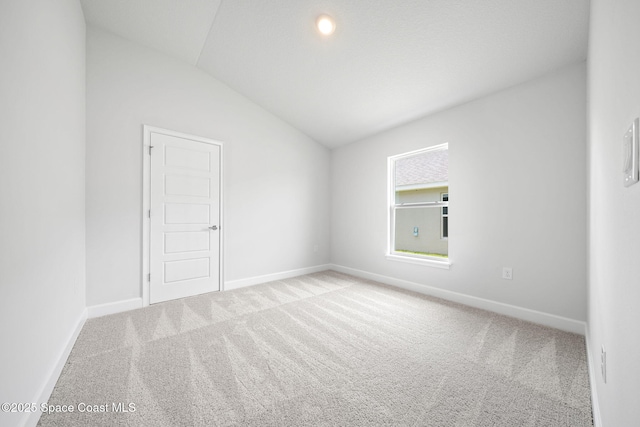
(42, 221)
(614, 219)
(517, 191)
(276, 180)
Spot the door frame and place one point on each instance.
(146, 204)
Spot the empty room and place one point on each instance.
(292, 213)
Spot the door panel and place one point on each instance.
(185, 212)
(188, 269)
(187, 159)
(183, 185)
(186, 241)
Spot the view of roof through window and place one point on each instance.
(423, 168)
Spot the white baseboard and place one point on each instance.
(250, 281)
(595, 405)
(134, 303)
(529, 315)
(113, 307)
(31, 419)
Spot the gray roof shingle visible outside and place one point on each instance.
(424, 168)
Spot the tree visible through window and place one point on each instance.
(419, 203)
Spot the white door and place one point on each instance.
(184, 245)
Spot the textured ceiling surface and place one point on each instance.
(387, 63)
(176, 27)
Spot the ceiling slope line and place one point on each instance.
(206, 37)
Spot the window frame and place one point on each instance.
(391, 253)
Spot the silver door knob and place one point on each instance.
(213, 227)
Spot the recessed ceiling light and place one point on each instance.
(326, 25)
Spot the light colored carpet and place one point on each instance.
(324, 349)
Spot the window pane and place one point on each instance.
(418, 232)
(421, 177)
(445, 226)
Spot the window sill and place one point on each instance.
(420, 261)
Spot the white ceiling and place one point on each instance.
(388, 61)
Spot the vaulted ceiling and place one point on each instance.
(387, 63)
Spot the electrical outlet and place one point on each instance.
(603, 364)
(507, 273)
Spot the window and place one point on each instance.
(444, 234)
(419, 206)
